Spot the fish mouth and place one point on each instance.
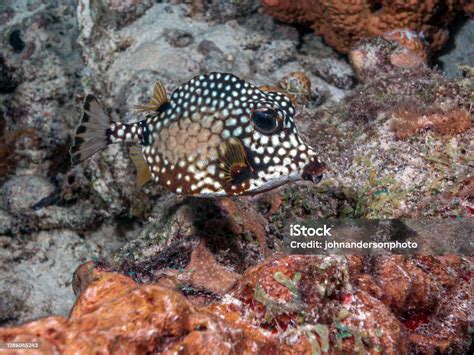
(313, 171)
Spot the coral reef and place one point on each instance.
(157, 319)
(418, 104)
(396, 135)
(342, 24)
(294, 304)
(443, 107)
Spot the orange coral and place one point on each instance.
(114, 315)
(412, 41)
(342, 23)
(284, 305)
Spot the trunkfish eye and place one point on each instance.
(266, 121)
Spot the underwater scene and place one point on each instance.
(236, 177)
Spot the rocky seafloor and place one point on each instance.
(170, 273)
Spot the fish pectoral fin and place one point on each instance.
(233, 162)
(143, 171)
(158, 98)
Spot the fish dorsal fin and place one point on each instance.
(233, 161)
(143, 171)
(158, 98)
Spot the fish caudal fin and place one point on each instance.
(158, 98)
(92, 133)
(143, 171)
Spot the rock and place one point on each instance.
(149, 313)
(109, 13)
(399, 103)
(337, 73)
(386, 54)
(299, 296)
(178, 38)
(437, 334)
(229, 9)
(44, 76)
(275, 55)
(7, 82)
(459, 49)
(342, 25)
(203, 264)
(124, 12)
(6, 222)
(418, 289)
(294, 304)
(16, 42)
(10, 307)
(34, 270)
(223, 9)
(232, 230)
(22, 193)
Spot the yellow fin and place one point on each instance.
(233, 161)
(143, 171)
(158, 98)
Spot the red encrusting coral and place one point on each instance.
(290, 304)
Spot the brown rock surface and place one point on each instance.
(343, 23)
(290, 304)
(203, 265)
(115, 315)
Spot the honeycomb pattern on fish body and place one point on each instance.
(183, 152)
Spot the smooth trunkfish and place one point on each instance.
(217, 135)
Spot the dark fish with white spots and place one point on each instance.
(217, 135)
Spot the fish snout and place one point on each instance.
(313, 171)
